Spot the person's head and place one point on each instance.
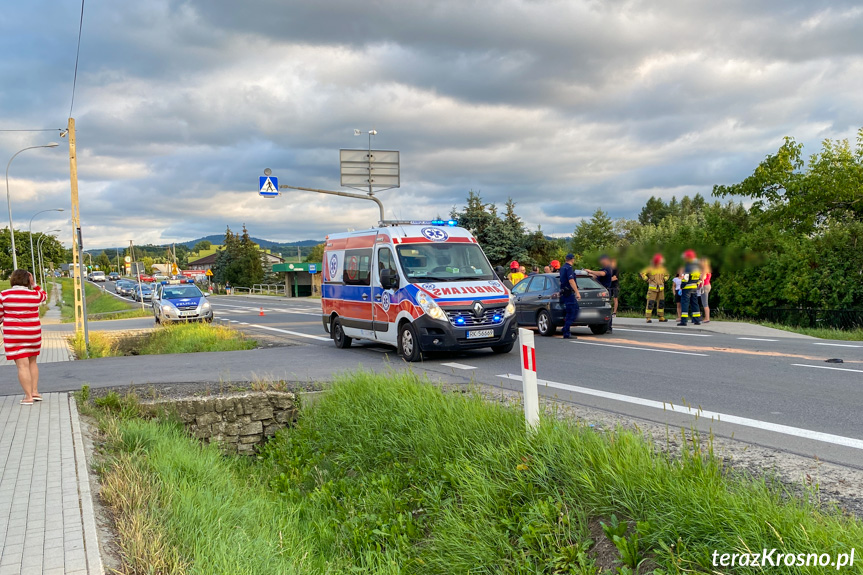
(689, 255)
(569, 258)
(657, 260)
(555, 264)
(705, 265)
(536, 269)
(614, 262)
(521, 269)
(20, 278)
(499, 271)
(513, 266)
(604, 261)
(547, 269)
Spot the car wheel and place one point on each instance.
(409, 344)
(342, 341)
(599, 328)
(544, 324)
(505, 348)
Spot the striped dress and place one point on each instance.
(19, 314)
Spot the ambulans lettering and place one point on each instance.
(464, 290)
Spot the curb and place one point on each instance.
(88, 516)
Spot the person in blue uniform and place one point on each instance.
(569, 295)
(604, 276)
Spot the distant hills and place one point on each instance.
(217, 239)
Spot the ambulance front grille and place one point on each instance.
(466, 317)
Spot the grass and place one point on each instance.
(821, 332)
(99, 302)
(386, 474)
(175, 338)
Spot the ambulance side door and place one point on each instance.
(385, 307)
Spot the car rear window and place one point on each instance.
(587, 283)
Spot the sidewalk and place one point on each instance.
(47, 524)
(738, 328)
(55, 346)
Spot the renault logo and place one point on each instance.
(477, 309)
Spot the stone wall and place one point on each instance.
(238, 422)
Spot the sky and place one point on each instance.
(565, 106)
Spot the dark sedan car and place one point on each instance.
(537, 304)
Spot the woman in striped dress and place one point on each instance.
(22, 331)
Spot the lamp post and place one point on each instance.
(32, 254)
(9, 202)
(39, 248)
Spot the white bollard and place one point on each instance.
(528, 377)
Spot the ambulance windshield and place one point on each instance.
(444, 262)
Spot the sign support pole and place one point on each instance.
(344, 195)
(528, 377)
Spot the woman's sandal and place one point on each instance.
(25, 402)
(37, 398)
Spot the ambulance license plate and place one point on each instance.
(480, 333)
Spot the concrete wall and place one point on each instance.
(238, 422)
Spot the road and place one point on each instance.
(764, 387)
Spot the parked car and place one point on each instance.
(146, 278)
(142, 292)
(537, 303)
(113, 276)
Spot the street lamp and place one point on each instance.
(9, 202)
(39, 247)
(32, 254)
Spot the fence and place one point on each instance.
(269, 289)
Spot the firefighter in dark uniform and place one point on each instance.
(689, 304)
(569, 295)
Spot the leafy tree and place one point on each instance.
(202, 246)
(103, 261)
(595, 234)
(316, 255)
(653, 212)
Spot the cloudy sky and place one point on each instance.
(565, 105)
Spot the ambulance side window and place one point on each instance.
(386, 261)
(357, 267)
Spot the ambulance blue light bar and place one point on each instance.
(451, 223)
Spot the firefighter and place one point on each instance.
(690, 307)
(656, 275)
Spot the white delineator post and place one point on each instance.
(528, 377)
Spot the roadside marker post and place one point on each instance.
(528, 377)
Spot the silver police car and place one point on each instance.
(180, 300)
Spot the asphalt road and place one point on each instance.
(764, 387)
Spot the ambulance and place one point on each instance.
(421, 286)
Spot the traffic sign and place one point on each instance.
(269, 186)
(313, 269)
(209, 273)
(127, 259)
(174, 269)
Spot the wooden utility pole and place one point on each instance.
(77, 280)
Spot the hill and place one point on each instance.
(266, 244)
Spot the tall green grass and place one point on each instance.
(98, 302)
(385, 474)
(169, 339)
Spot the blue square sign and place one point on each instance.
(313, 268)
(269, 186)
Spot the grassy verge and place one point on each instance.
(100, 304)
(386, 474)
(178, 338)
(820, 332)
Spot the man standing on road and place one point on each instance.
(515, 275)
(569, 295)
(656, 275)
(603, 276)
(614, 290)
(689, 305)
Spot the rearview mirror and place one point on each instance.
(389, 279)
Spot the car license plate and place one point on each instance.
(480, 333)
(188, 313)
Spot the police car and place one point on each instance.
(180, 300)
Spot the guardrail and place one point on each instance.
(269, 289)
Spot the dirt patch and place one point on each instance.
(603, 551)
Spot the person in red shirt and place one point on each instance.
(22, 330)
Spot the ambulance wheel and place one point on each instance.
(505, 348)
(544, 324)
(409, 344)
(342, 341)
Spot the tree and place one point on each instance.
(202, 246)
(103, 261)
(595, 234)
(653, 212)
(240, 261)
(316, 255)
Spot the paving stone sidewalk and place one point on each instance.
(47, 523)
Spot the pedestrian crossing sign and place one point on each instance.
(269, 186)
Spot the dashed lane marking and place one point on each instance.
(757, 339)
(663, 332)
(839, 344)
(828, 367)
(641, 348)
(713, 415)
(458, 366)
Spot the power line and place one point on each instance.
(41, 130)
(77, 55)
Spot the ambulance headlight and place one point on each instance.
(510, 307)
(430, 307)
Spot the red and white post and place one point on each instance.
(528, 377)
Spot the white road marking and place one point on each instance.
(243, 323)
(713, 415)
(641, 348)
(296, 333)
(458, 366)
(839, 344)
(828, 367)
(663, 332)
(757, 339)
